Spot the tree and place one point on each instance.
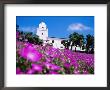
(28, 35)
(74, 39)
(17, 27)
(81, 40)
(89, 43)
(34, 39)
(64, 42)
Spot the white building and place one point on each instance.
(56, 42)
(42, 32)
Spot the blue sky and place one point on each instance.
(58, 26)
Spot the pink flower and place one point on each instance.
(67, 65)
(48, 65)
(85, 72)
(53, 72)
(76, 72)
(18, 71)
(52, 66)
(55, 67)
(30, 71)
(30, 53)
(37, 67)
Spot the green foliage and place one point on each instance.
(58, 62)
(76, 39)
(89, 42)
(61, 72)
(72, 69)
(91, 70)
(22, 60)
(23, 68)
(65, 43)
(22, 63)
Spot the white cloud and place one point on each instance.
(28, 29)
(77, 27)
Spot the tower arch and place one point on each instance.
(42, 31)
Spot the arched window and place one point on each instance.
(52, 41)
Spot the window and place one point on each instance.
(42, 33)
(52, 41)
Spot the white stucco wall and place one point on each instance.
(57, 43)
(42, 31)
(77, 48)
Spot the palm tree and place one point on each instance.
(89, 42)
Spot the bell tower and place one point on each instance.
(42, 31)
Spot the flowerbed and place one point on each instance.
(37, 59)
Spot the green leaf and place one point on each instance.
(71, 69)
(23, 68)
(22, 60)
(91, 70)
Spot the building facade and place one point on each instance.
(42, 32)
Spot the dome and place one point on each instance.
(42, 24)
